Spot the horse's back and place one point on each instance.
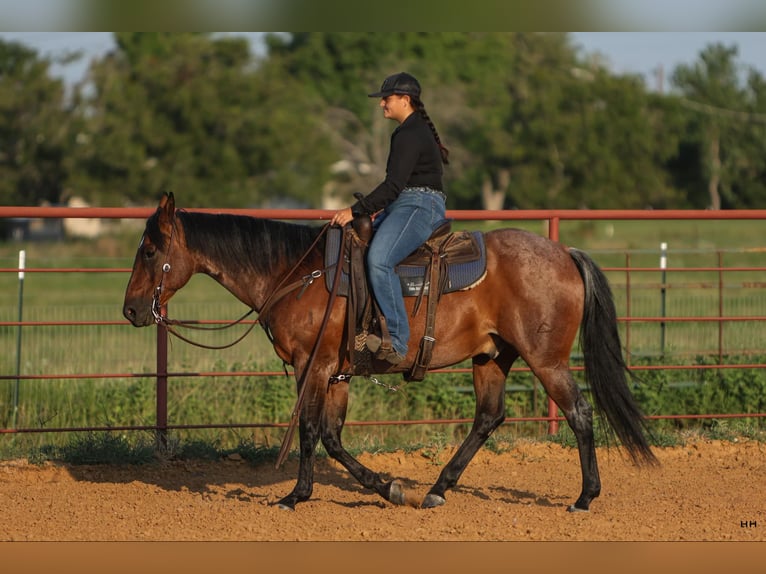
(532, 288)
(526, 255)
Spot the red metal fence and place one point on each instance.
(552, 218)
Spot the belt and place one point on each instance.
(425, 189)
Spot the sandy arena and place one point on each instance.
(704, 491)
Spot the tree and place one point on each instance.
(464, 78)
(188, 112)
(528, 124)
(613, 143)
(33, 128)
(340, 69)
(748, 158)
(725, 145)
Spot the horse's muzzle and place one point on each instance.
(136, 318)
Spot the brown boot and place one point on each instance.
(393, 357)
(373, 342)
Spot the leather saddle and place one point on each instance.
(448, 261)
(462, 254)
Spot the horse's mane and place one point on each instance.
(247, 243)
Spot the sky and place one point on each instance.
(645, 52)
(625, 52)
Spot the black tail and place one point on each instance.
(605, 370)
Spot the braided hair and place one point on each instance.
(421, 109)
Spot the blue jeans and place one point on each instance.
(403, 227)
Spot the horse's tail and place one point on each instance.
(605, 370)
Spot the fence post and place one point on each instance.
(553, 424)
(720, 307)
(628, 310)
(663, 292)
(22, 265)
(162, 383)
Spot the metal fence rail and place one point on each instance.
(720, 317)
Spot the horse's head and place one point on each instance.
(161, 266)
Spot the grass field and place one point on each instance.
(119, 348)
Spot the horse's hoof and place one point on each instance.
(573, 508)
(396, 493)
(286, 504)
(432, 501)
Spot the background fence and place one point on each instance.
(58, 340)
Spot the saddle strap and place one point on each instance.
(358, 309)
(425, 352)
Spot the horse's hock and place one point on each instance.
(706, 490)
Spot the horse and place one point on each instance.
(536, 296)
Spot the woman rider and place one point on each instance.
(410, 201)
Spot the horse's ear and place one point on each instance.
(167, 211)
(167, 197)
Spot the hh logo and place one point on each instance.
(748, 524)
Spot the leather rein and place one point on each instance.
(276, 295)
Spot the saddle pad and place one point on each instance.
(460, 275)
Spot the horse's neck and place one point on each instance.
(252, 288)
(250, 257)
(251, 293)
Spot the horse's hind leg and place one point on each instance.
(333, 418)
(489, 376)
(562, 388)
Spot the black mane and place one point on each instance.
(242, 242)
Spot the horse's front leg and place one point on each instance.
(308, 433)
(333, 418)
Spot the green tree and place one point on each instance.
(341, 68)
(194, 113)
(528, 124)
(748, 158)
(463, 77)
(561, 132)
(724, 150)
(614, 144)
(33, 128)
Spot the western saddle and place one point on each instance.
(426, 273)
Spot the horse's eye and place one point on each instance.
(149, 252)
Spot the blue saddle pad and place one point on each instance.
(460, 275)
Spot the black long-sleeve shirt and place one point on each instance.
(414, 160)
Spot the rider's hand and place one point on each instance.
(342, 217)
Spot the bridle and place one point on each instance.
(160, 318)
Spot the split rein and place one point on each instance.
(278, 293)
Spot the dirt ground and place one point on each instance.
(703, 491)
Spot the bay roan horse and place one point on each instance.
(536, 296)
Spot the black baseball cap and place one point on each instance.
(401, 83)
